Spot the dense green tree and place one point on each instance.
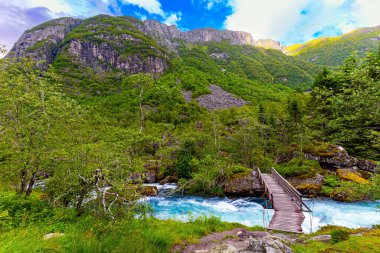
(33, 113)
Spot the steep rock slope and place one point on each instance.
(42, 42)
(332, 51)
(94, 54)
(171, 37)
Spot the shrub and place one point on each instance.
(331, 181)
(339, 235)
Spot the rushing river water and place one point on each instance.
(250, 212)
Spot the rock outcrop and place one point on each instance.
(170, 36)
(243, 184)
(239, 240)
(336, 157)
(151, 171)
(104, 42)
(311, 186)
(149, 191)
(351, 175)
(42, 42)
(269, 44)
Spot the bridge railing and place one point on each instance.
(266, 189)
(296, 195)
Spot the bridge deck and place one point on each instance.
(286, 201)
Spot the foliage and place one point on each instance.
(369, 242)
(33, 112)
(333, 51)
(339, 235)
(345, 105)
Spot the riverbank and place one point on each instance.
(31, 225)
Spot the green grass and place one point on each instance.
(28, 220)
(89, 234)
(369, 242)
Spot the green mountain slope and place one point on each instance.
(333, 51)
(93, 54)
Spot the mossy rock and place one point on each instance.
(309, 189)
(351, 175)
(346, 195)
(149, 191)
(310, 186)
(242, 184)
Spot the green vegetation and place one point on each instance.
(335, 50)
(25, 222)
(339, 235)
(342, 240)
(92, 132)
(345, 105)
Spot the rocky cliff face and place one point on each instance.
(41, 42)
(108, 45)
(170, 36)
(269, 44)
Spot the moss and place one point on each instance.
(351, 176)
(322, 149)
(299, 168)
(309, 188)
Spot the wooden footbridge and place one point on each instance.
(285, 200)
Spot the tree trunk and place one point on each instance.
(23, 180)
(141, 111)
(31, 184)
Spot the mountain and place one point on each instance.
(332, 51)
(94, 53)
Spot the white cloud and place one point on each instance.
(367, 12)
(173, 18)
(264, 19)
(151, 6)
(294, 21)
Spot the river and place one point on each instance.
(250, 212)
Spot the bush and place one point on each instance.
(339, 235)
(19, 211)
(331, 181)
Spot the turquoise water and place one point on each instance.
(250, 212)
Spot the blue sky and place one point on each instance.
(287, 21)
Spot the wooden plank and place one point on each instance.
(288, 214)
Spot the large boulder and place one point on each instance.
(336, 157)
(311, 186)
(243, 184)
(351, 175)
(169, 180)
(151, 171)
(149, 191)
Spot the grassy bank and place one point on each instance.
(358, 241)
(24, 222)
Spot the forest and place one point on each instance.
(92, 150)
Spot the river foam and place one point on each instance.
(250, 211)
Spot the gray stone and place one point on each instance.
(219, 99)
(52, 235)
(321, 238)
(338, 158)
(238, 240)
(243, 184)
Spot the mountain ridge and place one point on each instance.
(98, 51)
(332, 51)
(165, 34)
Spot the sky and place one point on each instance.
(287, 21)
